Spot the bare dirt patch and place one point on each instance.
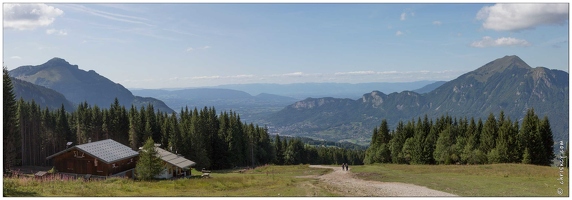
(345, 183)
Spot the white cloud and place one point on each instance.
(199, 48)
(398, 33)
(516, 17)
(437, 23)
(242, 76)
(403, 16)
(29, 16)
(16, 57)
(356, 73)
(294, 74)
(504, 41)
(205, 77)
(56, 32)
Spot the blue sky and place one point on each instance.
(193, 45)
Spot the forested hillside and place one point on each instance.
(43, 96)
(508, 84)
(450, 140)
(222, 141)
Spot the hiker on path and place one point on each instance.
(347, 169)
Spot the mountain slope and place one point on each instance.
(507, 84)
(430, 87)
(78, 85)
(43, 96)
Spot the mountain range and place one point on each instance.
(316, 90)
(507, 84)
(249, 107)
(81, 86)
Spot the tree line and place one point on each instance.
(462, 141)
(213, 141)
(293, 151)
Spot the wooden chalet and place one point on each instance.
(101, 158)
(174, 165)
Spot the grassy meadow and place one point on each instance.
(472, 180)
(274, 181)
(267, 181)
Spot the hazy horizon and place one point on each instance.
(153, 46)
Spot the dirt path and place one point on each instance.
(348, 185)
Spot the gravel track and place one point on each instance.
(346, 184)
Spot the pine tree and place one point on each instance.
(134, 128)
(175, 138)
(489, 134)
(526, 157)
(396, 143)
(383, 135)
(63, 127)
(547, 141)
(442, 149)
(11, 136)
(503, 142)
(149, 164)
(279, 151)
(530, 139)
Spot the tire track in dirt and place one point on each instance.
(347, 184)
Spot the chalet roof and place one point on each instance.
(108, 151)
(174, 159)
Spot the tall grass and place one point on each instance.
(265, 181)
(472, 180)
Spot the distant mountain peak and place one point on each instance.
(57, 62)
(79, 86)
(499, 65)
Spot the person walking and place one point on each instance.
(347, 169)
(343, 166)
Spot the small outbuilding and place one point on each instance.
(174, 165)
(101, 158)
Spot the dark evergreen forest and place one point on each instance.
(213, 141)
(452, 141)
(223, 141)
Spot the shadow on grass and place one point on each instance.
(17, 193)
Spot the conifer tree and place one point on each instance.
(442, 149)
(429, 146)
(134, 128)
(548, 142)
(529, 139)
(149, 164)
(504, 141)
(396, 143)
(489, 134)
(11, 136)
(279, 159)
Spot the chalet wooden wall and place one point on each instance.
(78, 162)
